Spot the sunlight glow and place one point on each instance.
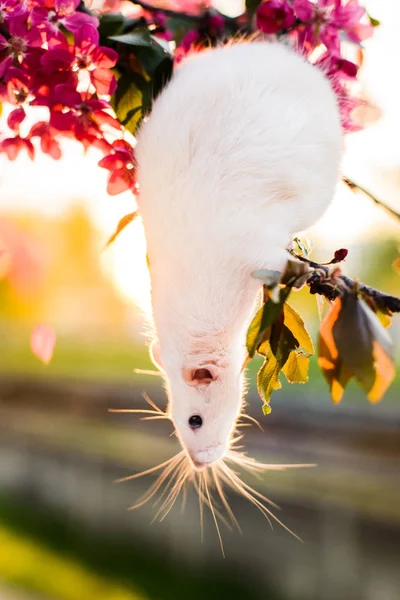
(49, 187)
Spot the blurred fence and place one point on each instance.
(60, 448)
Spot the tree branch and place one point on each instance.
(326, 282)
(354, 187)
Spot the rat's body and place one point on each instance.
(242, 149)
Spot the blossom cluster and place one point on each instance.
(50, 56)
(322, 25)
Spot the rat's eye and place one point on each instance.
(195, 421)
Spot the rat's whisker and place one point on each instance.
(148, 471)
(201, 504)
(252, 419)
(199, 486)
(174, 493)
(222, 495)
(156, 418)
(158, 483)
(152, 404)
(184, 497)
(135, 410)
(251, 494)
(214, 516)
(147, 372)
(228, 477)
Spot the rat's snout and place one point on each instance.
(207, 456)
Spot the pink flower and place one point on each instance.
(121, 164)
(13, 146)
(324, 20)
(43, 341)
(14, 50)
(17, 86)
(83, 118)
(15, 118)
(275, 15)
(48, 142)
(10, 9)
(85, 55)
(96, 59)
(62, 12)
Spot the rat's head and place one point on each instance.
(205, 398)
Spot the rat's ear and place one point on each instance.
(155, 354)
(200, 376)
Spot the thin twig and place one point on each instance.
(320, 282)
(355, 186)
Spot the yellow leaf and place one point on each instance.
(296, 368)
(268, 378)
(121, 225)
(295, 323)
(385, 373)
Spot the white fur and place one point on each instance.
(242, 149)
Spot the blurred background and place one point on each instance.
(65, 531)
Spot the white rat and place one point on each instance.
(241, 150)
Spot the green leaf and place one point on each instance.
(275, 359)
(147, 50)
(259, 329)
(304, 247)
(131, 100)
(374, 22)
(111, 24)
(161, 76)
(251, 6)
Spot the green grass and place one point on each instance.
(30, 565)
(42, 550)
(86, 360)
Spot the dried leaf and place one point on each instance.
(353, 343)
(43, 340)
(296, 274)
(121, 225)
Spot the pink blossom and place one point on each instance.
(275, 15)
(97, 59)
(324, 20)
(10, 9)
(121, 164)
(85, 55)
(43, 341)
(48, 142)
(13, 146)
(15, 118)
(62, 12)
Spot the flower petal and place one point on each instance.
(43, 340)
(15, 118)
(75, 22)
(104, 81)
(87, 36)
